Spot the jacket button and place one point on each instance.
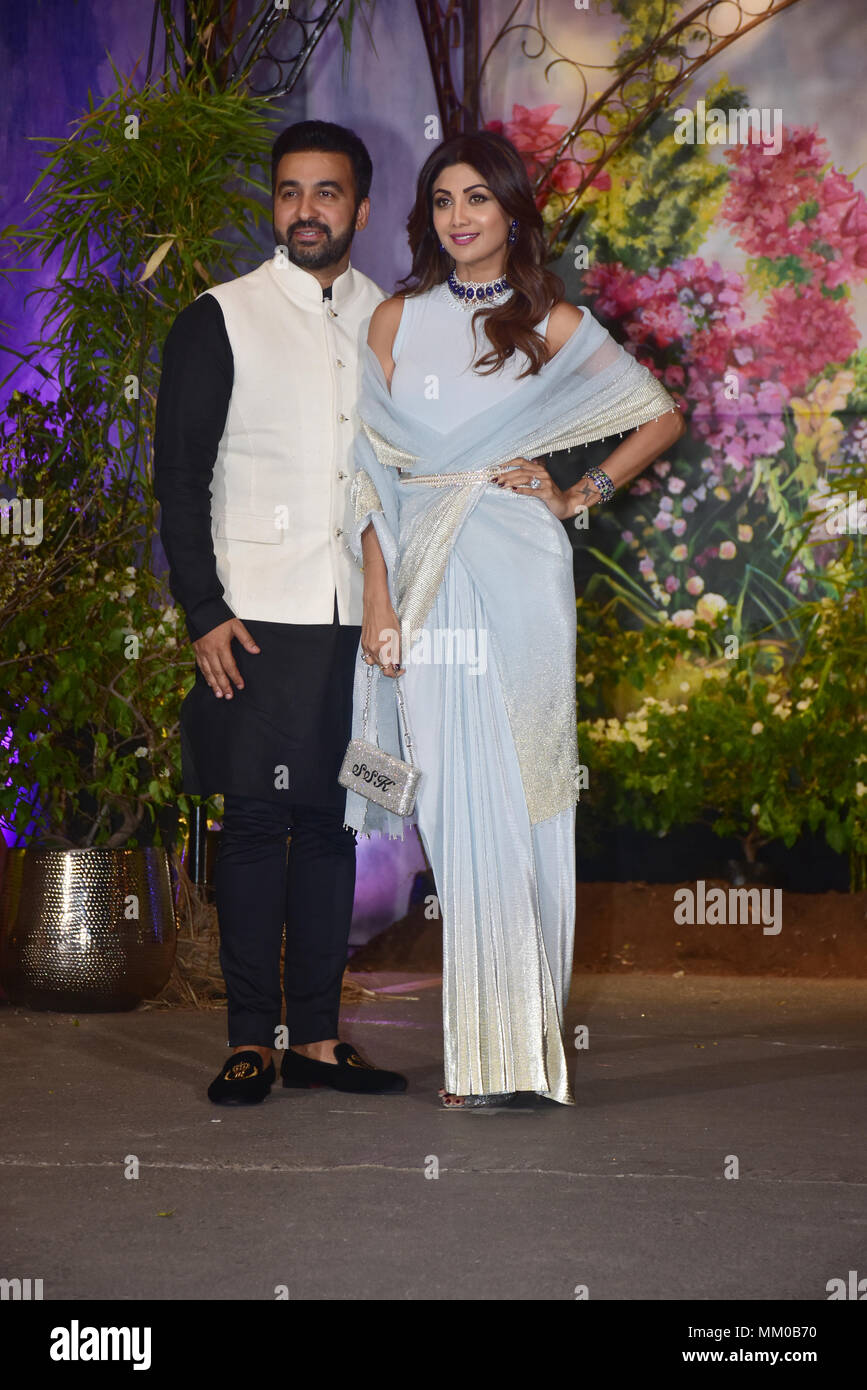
(341, 474)
(343, 418)
(338, 531)
(332, 312)
(340, 364)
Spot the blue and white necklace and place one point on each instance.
(473, 294)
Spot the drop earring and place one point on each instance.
(513, 232)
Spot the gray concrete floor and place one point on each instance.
(327, 1193)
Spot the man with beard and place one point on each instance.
(254, 427)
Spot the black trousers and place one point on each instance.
(258, 887)
(296, 710)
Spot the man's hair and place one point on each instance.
(330, 138)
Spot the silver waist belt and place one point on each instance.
(478, 475)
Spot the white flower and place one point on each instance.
(710, 606)
(684, 617)
(755, 808)
(757, 727)
(141, 752)
(131, 570)
(860, 789)
(128, 590)
(803, 704)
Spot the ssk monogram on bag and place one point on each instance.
(375, 774)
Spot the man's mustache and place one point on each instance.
(307, 227)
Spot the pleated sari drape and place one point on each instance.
(481, 580)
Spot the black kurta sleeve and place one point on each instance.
(192, 404)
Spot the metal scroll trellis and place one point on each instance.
(268, 50)
(271, 49)
(644, 81)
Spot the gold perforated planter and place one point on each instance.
(85, 930)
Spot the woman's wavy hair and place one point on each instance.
(510, 327)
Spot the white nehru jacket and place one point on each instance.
(283, 466)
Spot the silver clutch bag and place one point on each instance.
(375, 774)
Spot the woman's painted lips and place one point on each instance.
(463, 237)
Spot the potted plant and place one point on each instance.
(93, 672)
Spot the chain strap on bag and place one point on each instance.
(375, 774)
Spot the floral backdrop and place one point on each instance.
(764, 361)
(738, 277)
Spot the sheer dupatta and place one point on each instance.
(592, 388)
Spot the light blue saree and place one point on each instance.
(481, 579)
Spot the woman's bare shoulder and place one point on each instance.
(384, 323)
(563, 320)
(382, 331)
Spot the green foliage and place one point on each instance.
(138, 227)
(637, 225)
(763, 740)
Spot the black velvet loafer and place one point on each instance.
(244, 1080)
(348, 1073)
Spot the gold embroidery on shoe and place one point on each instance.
(353, 1060)
(241, 1070)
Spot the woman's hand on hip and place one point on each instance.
(520, 478)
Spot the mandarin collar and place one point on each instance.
(301, 286)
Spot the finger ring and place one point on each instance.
(536, 482)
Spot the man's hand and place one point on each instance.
(215, 659)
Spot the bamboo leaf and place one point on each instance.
(156, 259)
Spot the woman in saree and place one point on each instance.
(474, 368)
